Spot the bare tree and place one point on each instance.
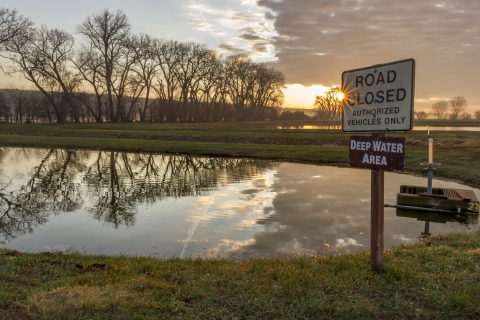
(145, 67)
(193, 57)
(5, 111)
(26, 105)
(439, 109)
(465, 116)
(266, 92)
(18, 101)
(209, 88)
(167, 56)
(329, 105)
(457, 106)
(90, 68)
(221, 110)
(238, 69)
(106, 33)
(421, 115)
(12, 25)
(126, 85)
(42, 57)
(476, 115)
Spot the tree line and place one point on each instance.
(114, 75)
(452, 109)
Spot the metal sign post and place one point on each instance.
(378, 99)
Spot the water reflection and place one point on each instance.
(415, 128)
(310, 127)
(171, 205)
(425, 128)
(49, 189)
(430, 217)
(115, 183)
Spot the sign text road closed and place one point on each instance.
(376, 152)
(379, 98)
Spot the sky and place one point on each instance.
(311, 41)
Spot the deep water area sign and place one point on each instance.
(379, 98)
(377, 152)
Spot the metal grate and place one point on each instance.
(452, 193)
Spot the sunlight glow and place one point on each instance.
(340, 96)
(299, 96)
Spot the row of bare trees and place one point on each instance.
(453, 108)
(25, 106)
(118, 76)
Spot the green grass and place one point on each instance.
(435, 279)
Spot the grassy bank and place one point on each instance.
(435, 279)
(457, 151)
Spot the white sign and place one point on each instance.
(379, 98)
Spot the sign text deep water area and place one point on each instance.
(377, 152)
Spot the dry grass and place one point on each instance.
(435, 279)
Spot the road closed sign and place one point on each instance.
(379, 98)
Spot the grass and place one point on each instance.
(435, 279)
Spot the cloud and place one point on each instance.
(269, 15)
(242, 17)
(198, 23)
(255, 28)
(250, 37)
(230, 49)
(430, 99)
(261, 47)
(443, 38)
(240, 27)
(249, 29)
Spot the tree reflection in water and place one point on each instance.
(49, 189)
(115, 182)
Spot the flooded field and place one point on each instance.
(114, 203)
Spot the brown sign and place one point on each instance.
(377, 152)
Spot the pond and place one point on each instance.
(112, 203)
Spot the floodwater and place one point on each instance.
(415, 128)
(112, 203)
(425, 128)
